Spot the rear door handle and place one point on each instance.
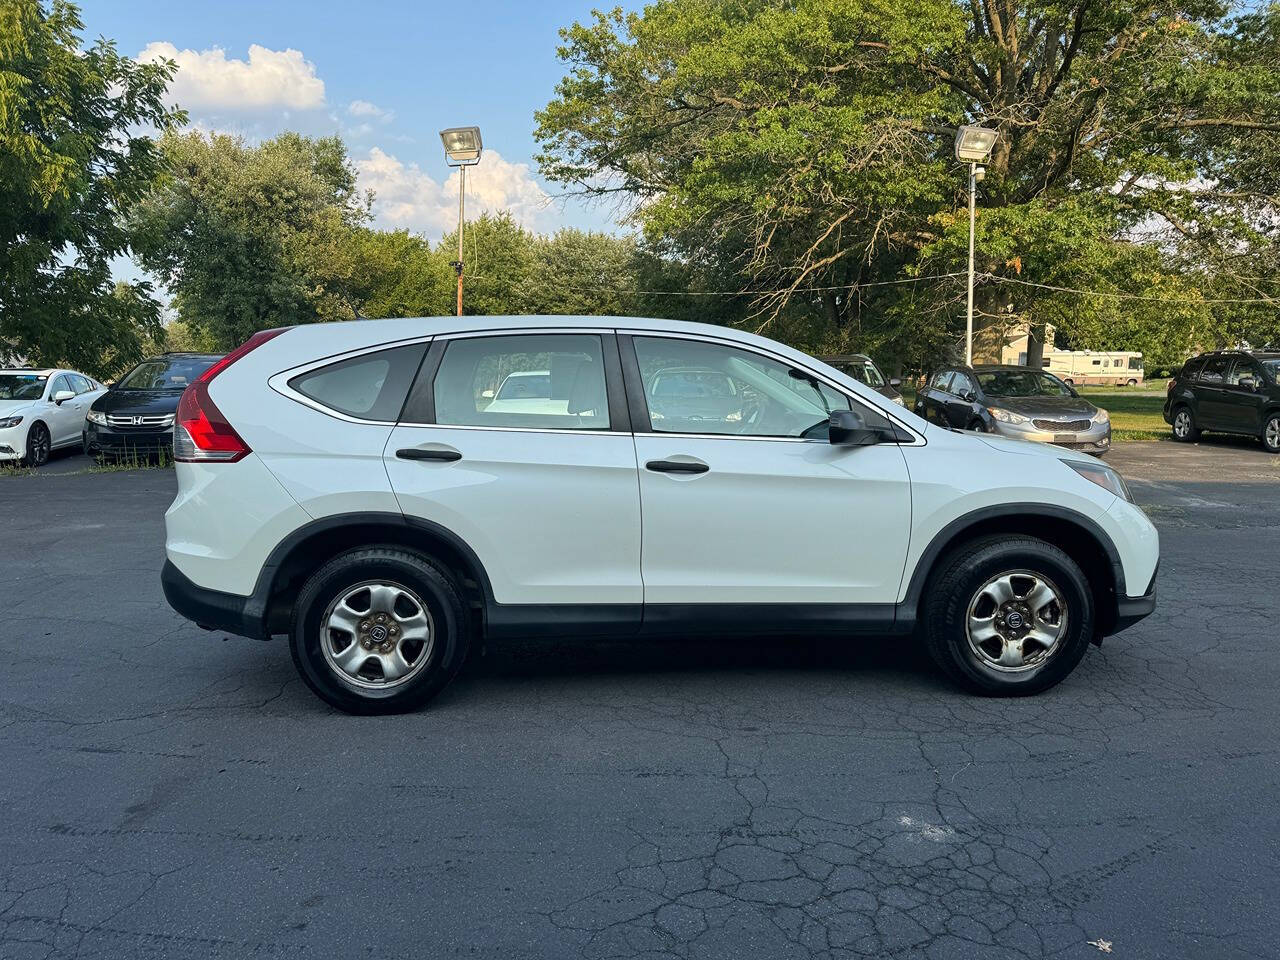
(416, 453)
(676, 466)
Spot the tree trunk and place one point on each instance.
(1035, 345)
(833, 308)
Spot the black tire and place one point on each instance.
(1188, 433)
(38, 445)
(1131, 382)
(450, 633)
(958, 582)
(1271, 434)
(978, 426)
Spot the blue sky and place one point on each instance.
(386, 75)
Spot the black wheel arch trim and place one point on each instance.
(908, 609)
(251, 616)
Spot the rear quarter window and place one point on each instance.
(372, 386)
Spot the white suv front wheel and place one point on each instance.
(1009, 615)
(379, 630)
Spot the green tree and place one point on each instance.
(807, 146)
(249, 237)
(73, 163)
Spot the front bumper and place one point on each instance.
(212, 609)
(13, 442)
(1129, 610)
(100, 439)
(1096, 439)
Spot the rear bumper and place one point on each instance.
(212, 609)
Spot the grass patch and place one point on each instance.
(1135, 415)
(161, 459)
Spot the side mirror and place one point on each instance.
(895, 381)
(62, 396)
(968, 396)
(1249, 383)
(848, 428)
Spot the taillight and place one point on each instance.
(1169, 388)
(201, 434)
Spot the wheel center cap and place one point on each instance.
(377, 633)
(1014, 619)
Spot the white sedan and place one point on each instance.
(42, 410)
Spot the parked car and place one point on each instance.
(41, 411)
(1018, 402)
(347, 485)
(1234, 391)
(135, 416)
(863, 369)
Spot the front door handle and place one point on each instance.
(676, 466)
(416, 453)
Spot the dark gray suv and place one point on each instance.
(1229, 392)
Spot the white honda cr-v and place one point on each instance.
(387, 491)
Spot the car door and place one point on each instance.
(540, 485)
(1244, 396)
(1212, 412)
(65, 418)
(960, 400)
(933, 407)
(757, 506)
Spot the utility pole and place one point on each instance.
(968, 334)
(462, 193)
(462, 148)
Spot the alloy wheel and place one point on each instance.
(377, 635)
(1272, 436)
(1182, 423)
(38, 445)
(1016, 621)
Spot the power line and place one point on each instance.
(1127, 296)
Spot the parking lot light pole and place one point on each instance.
(462, 148)
(973, 146)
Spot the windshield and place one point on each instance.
(22, 386)
(1021, 383)
(864, 371)
(165, 374)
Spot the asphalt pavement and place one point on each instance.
(168, 792)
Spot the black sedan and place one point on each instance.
(1018, 402)
(136, 415)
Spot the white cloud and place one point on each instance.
(404, 196)
(363, 108)
(207, 80)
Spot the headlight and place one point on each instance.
(1007, 416)
(1101, 416)
(96, 416)
(8, 422)
(1103, 476)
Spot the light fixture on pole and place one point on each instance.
(462, 148)
(973, 146)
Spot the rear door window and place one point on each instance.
(553, 381)
(371, 386)
(1215, 370)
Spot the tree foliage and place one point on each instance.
(253, 236)
(73, 163)
(808, 146)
